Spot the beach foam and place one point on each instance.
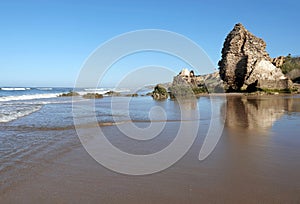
(44, 89)
(14, 89)
(28, 97)
(100, 89)
(13, 113)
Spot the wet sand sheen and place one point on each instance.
(238, 171)
(85, 126)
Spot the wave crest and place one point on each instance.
(8, 115)
(28, 97)
(14, 89)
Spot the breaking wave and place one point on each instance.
(14, 89)
(27, 97)
(12, 113)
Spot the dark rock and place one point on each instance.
(132, 95)
(112, 93)
(70, 94)
(92, 95)
(160, 93)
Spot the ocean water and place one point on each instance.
(17, 102)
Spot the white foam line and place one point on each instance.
(28, 97)
(18, 114)
(14, 89)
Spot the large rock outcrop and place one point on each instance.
(210, 83)
(245, 64)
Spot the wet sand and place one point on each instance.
(255, 161)
(240, 170)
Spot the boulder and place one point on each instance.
(112, 93)
(245, 64)
(92, 96)
(160, 93)
(69, 94)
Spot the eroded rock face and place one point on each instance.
(245, 64)
(211, 82)
(278, 61)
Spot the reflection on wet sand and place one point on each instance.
(51, 166)
(257, 113)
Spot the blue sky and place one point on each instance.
(45, 43)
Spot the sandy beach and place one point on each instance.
(253, 162)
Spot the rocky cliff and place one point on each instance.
(245, 64)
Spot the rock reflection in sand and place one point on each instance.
(257, 112)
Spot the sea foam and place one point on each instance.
(44, 89)
(9, 114)
(28, 97)
(14, 89)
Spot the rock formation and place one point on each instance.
(245, 64)
(209, 82)
(294, 75)
(70, 94)
(188, 78)
(278, 61)
(160, 93)
(92, 96)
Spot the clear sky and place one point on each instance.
(45, 42)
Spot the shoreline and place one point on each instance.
(48, 164)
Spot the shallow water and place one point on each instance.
(255, 161)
